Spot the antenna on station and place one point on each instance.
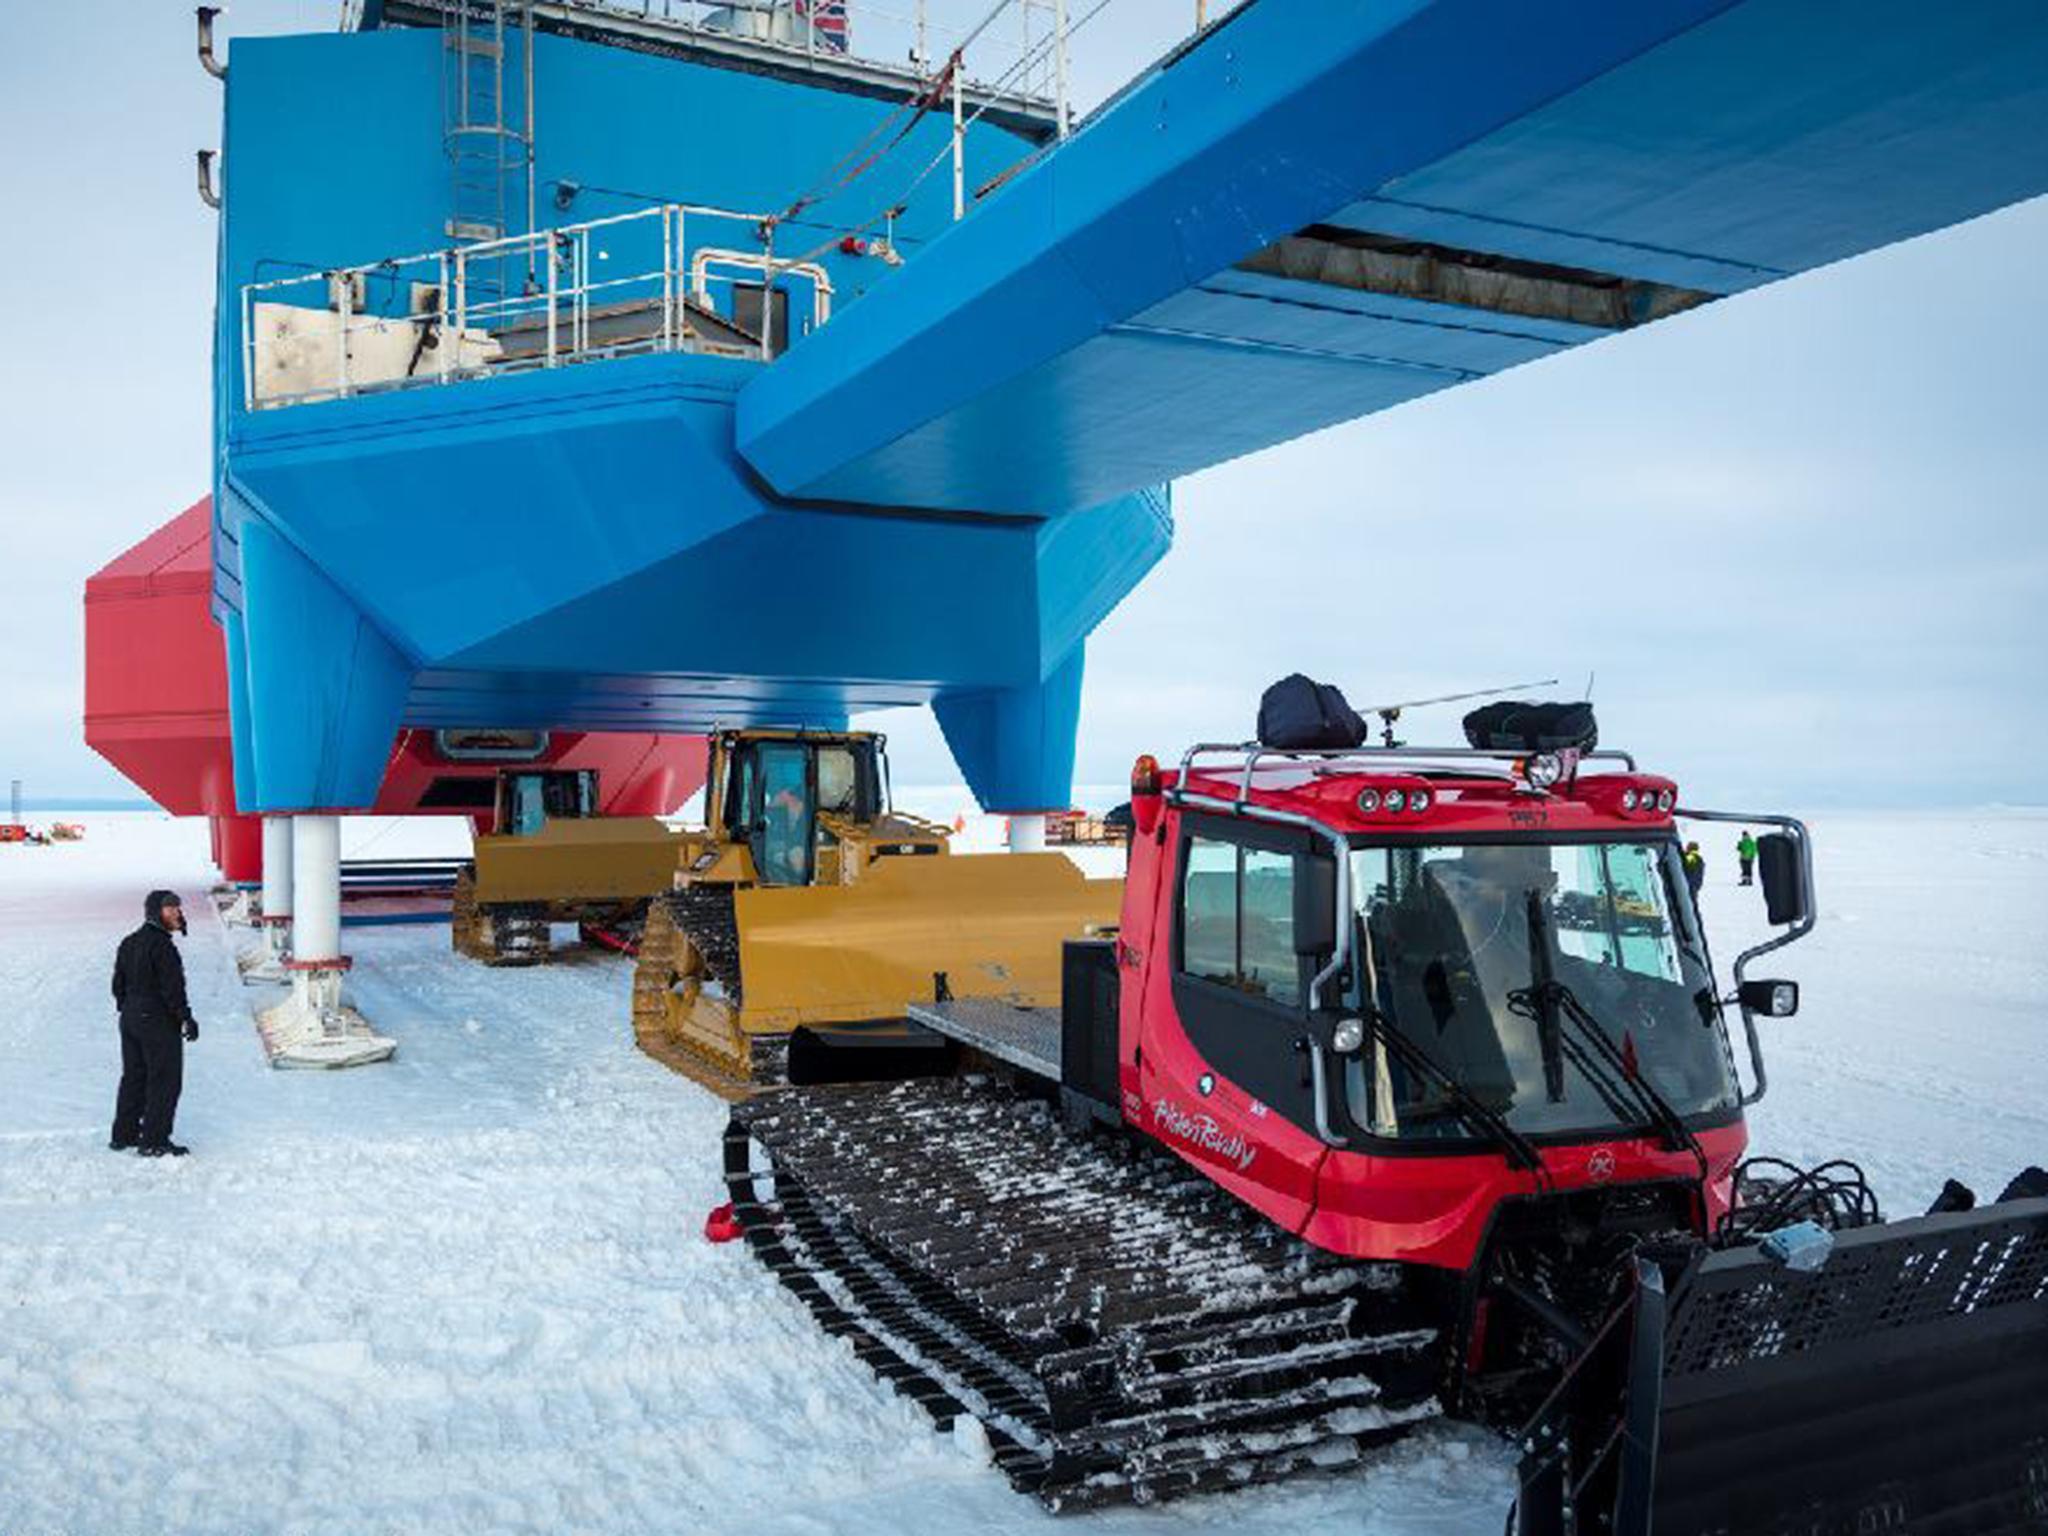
(1390, 713)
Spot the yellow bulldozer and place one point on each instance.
(809, 914)
(550, 858)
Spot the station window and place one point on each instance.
(1237, 919)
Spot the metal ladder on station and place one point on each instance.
(487, 104)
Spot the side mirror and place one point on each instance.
(1778, 865)
(1772, 999)
(1315, 905)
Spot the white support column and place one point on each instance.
(1027, 832)
(277, 867)
(314, 1027)
(265, 962)
(316, 889)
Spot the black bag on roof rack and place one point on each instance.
(1300, 714)
(1511, 726)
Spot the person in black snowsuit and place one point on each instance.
(149, 991)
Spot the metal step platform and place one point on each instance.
(1025, 1038)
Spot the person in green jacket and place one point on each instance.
(1745, 855)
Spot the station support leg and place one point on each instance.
(265, 962)
(238, 851)
(238, 855)
(1015, 747)
(317, 691)
(315, 1026)
(1027, 832)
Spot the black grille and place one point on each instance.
(1876, 1282)
(1901, 1388)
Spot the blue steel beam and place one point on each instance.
(1092, 328)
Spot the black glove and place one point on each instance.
(191, 1027)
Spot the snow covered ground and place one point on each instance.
(465, 1291)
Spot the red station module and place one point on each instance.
(156, 707)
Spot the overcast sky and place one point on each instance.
(1799, 535)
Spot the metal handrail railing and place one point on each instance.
(541, 299)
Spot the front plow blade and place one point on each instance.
(1901, 1388)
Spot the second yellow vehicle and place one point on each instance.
(550, 858)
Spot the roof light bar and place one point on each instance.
(1401, 799)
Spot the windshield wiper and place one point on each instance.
(1549, 1001)
(1474, 1111)
(1544, 976)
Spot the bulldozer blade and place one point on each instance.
(911, 928)
(1899, 1387)
(595, 859)
(726, 979)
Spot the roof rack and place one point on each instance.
(1366, 759)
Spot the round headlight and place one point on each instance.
(1348, 1036)
(1666, 799)
(1628, 799)
(1396, 800)
(1419, 801)
(1543, 770)
(1368, 800)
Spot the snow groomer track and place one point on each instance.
(1122, 1330)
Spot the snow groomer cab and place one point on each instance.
(1452, 1008)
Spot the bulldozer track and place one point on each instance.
(1122, 1330)
(694, 930)
(653, 965)
(500, 935)
(704, 915)
(769, 1055)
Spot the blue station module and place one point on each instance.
(587, 369)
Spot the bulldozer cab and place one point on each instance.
(810, 905)
(529, 799)
(781, 795)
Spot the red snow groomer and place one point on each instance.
(1406, 1088)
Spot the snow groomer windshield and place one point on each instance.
(1565, 987)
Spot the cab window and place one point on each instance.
(529, 806)
(1237, 919)
(1609, 908)
(838, 782)
(1209, 911)
(782, 845)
